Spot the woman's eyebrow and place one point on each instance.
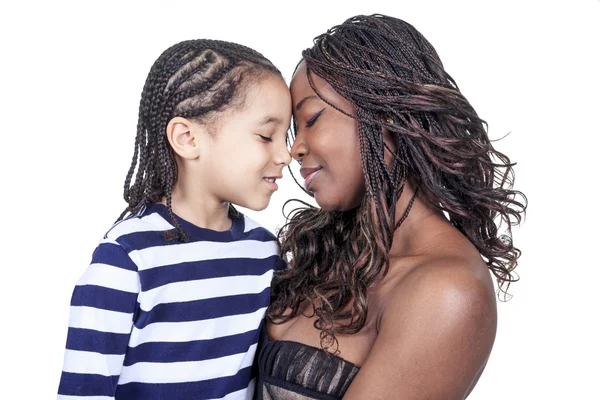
(301, 102)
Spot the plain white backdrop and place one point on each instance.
(70, 79)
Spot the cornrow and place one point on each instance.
(395, 79)
(194, 79)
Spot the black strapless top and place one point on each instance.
(295, 371)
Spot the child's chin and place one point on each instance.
(258, 206)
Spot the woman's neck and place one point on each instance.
(423, 219)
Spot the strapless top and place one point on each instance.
(295, 371)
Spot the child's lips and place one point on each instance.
(272, 181)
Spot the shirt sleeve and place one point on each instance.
(100, 322)
(280, 264)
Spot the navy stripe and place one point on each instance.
(196, 233)
(98, 342)
(87, 385)
(104, 298)
(259, 234)
(197, 350)
(113, 254)
(213, 388)
(204, 309)
(142, 240)
(195, 270)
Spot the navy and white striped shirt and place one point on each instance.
(152, 319)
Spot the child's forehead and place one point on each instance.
(271, 92)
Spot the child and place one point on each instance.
(171, 304)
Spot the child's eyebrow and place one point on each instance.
(269, 119)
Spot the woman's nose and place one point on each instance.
(299, 149)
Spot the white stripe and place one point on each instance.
(197, 330)
(111, 277)
(158, 256)
(87, 362)
(177, 292)
(100, 320)
(243, 394)
(250, 224)
(250, 390)
(149, 223)
(108, 241)
(189, 371)
(66, 397)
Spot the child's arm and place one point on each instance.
(101, 318)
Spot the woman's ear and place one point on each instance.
(390, 146)
(183, 137)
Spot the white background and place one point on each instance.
(70, 80)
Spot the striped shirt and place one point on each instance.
(155, 319)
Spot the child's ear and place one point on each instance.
(183, 137)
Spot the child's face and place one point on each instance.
(249, 147)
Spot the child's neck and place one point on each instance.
(200, 209)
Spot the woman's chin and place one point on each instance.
(331, 205)
(323, 202)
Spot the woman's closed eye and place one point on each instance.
(314, 118)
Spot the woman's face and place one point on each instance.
(326, 144)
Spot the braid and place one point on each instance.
(194, 79)
(395, 79)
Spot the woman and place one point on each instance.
(388, 292)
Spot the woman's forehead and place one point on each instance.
(301, 90)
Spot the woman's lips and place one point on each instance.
(309, 175)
